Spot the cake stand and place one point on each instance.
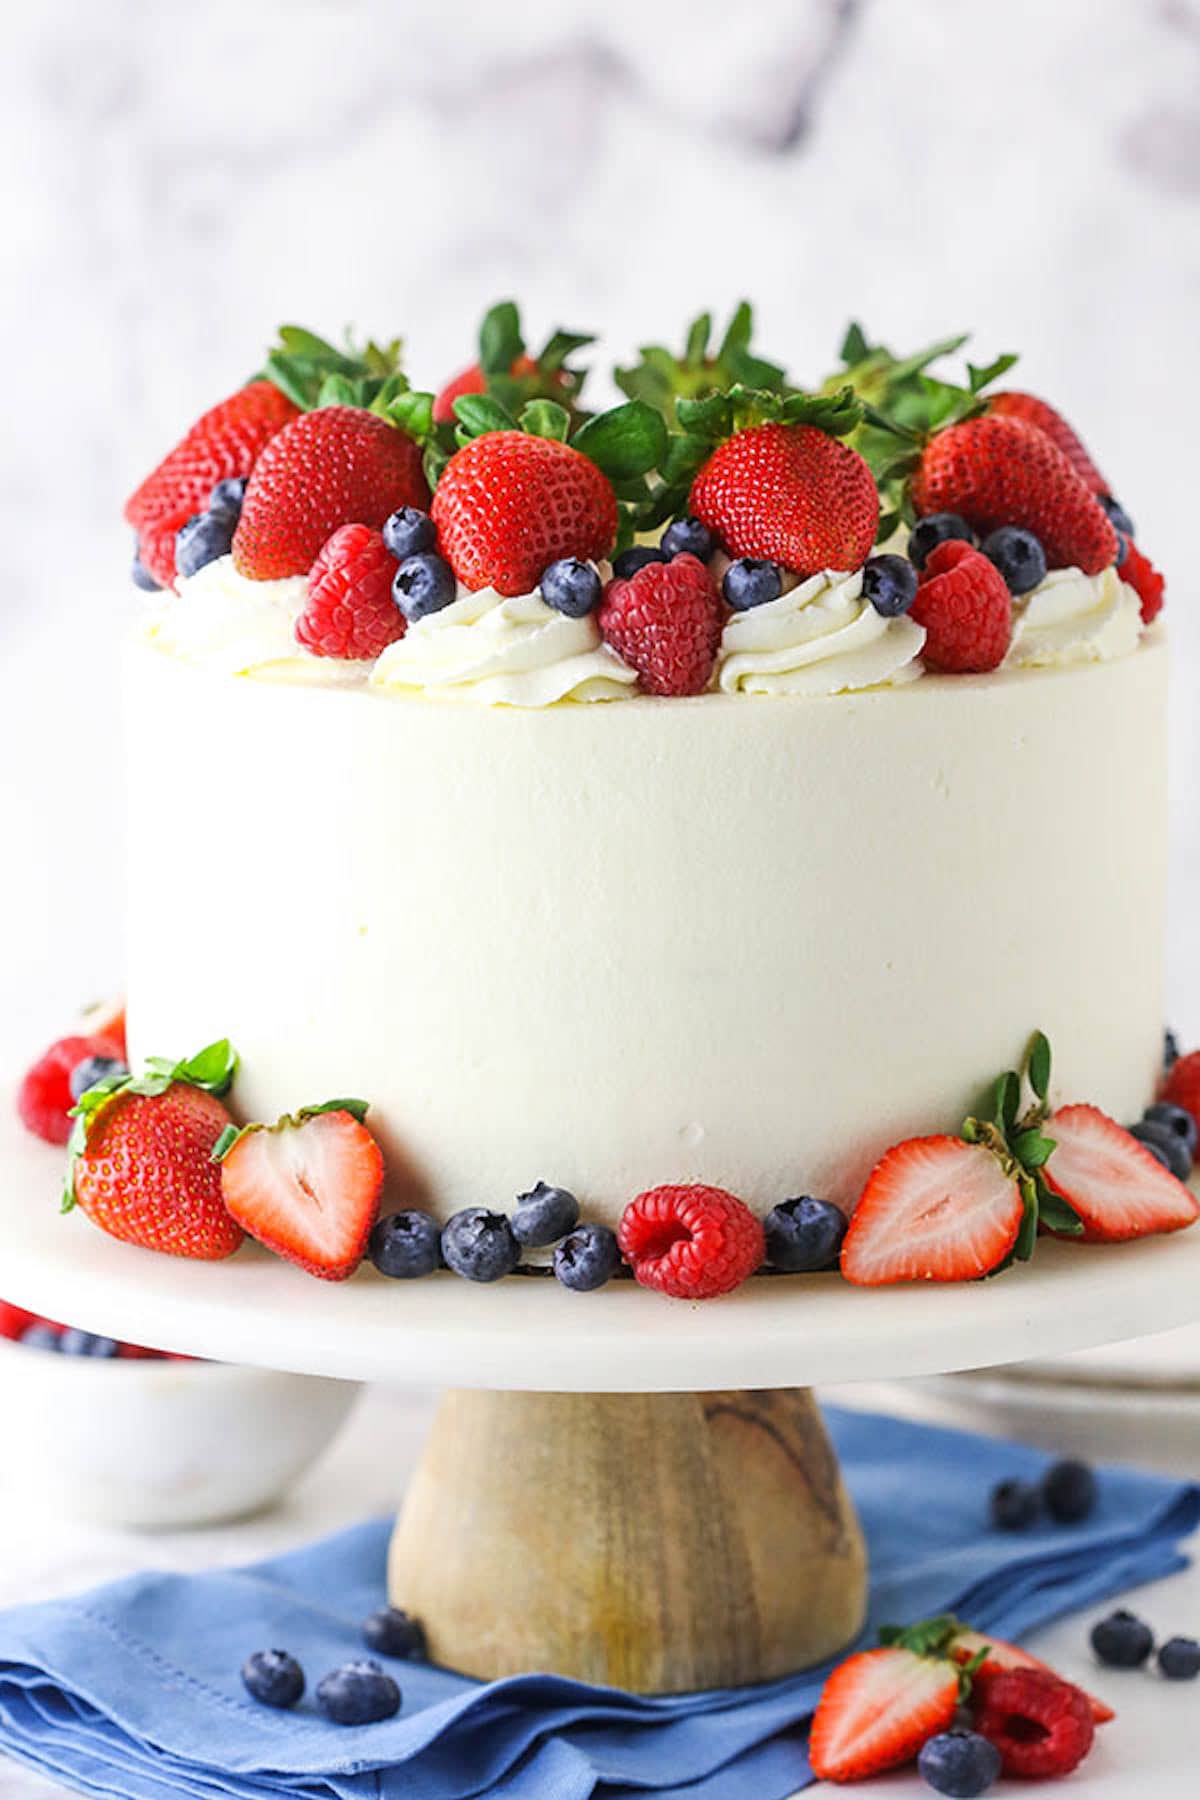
(617, 1487)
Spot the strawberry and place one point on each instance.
(933, 1209)
(509, 504)
(1139, 573)
(1110, 1180)
(876, 1711)
(14, 1319)
(1010, 404)
(350, 611)
(339, 465)
(792, 494)
(44, 1098)
(999, 471)
(965, 606)
(225, 442)
(665, 621)
(507, 371)
(472, 380)
(1182, 1086)
(307, 1187)
(966, 1645)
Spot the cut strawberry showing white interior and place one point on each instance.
(307, 1187)
(934, 1209)
(1115, 1185)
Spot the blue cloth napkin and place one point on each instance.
(134, 1689)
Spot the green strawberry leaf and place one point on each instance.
(546, 419)
(1056, 1214)
(927, 1637)
(411, 411)
(500, 340)
(1038, 1064)
(709, 418)
(1005, 1100)
(695, 347)
(339, 390)
(1031, 1148)
(979, 378)
(479, 414)
(738, 332)
(559, 346)
(854, 346)
(297, 341)
(624, 442)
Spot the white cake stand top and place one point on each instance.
(794, 1331)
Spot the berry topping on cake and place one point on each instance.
(965, 606)
(804, 1234)
(409, 532)
(751, 581)
(572, 587)
(544, 1215)
(588, 1258)
(890, 584)
(307, 1187)
(1139, 573)
(1042, 1726)
(94, 1069)
(690, 1242)
(1164, 1145)
(508, 372)
(690, 535)
(638, 556)
(1182, 1086)
(876, 1711)
(1011, 404)
(479, 1245)
(934, 1209)
(793, 494)
(1018, 556)
(665, 622)
(406, 1245)
(1110, 1180)
(45, 1097)
(423, 584)
(935, 529)
(1177, 1120)
(663, 377)
(350, 610)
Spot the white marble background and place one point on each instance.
(179, 177)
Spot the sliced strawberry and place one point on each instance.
(876, 1711)
(1118, 1189)
(14, 1319)
(933, 1209)
(967, 1644)
(307, 1187)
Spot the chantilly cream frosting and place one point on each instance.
(223, 621)
(1071, 617)
(821, 637)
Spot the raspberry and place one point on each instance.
(44, 1097)
(964, 604)
(350, 611)
(1139, 573)
(690, 1242)
(665, 622)
(1183, 1084)
(1040, 1725)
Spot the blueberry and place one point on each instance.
(92, 1069)
(423, 584)
(359, 1693)
(1069, 1490)
(544, 1215)
(1122, 1641)
(40, 1336)
(959, 1763)
(572, 587)
(934, 529)
(587, 1259)
(1163, 1144)
(409, 532)
(273, 1677)
(890, 584)
(1177, 1120)
(405, 1245)
(86, 1343)
(479, 1245)
(630, 561)
(1015, 1505)
(690, 537)
(1116, 512)
(804, 1234)
(391, 1632)
(1179, 1659)
(751, 582)
(1018, 555)
(142, 577)
(1170, 1049)
(204, 538)
(1122, 550)
(228, 495)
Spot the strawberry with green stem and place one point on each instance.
(507, 371)
(663, 377)
(879, 1707)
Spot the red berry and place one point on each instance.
(1139, 573)
(1182, 1087)
(14, 1319)
(1114, 1184)
(473, 381)
(350, 611)
(790, 493)
(308, 1188)
(876, 1711)
(1000, 1656)
(665, 622)
(44, 1097)
(965, 606)
(690, 1242)
(1041, 1726)
(1014, 405)
(933, 1209)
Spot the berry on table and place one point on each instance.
(572, 587)
(1069, 1491)
(804, 1234)
(876, 1711)
(406, 1245)
(1165, 1146)
(1122, 1640)
(544, 1215)
(92, 1069)
(890, 584)
(349, 612)
(1014, 1505)
(691, 1242)
(1177, 1120)
(638, 556)
(423, 584)
(1018, 556)
(959, 1763)
(935, 529)
(967, 1645)
(359, 1693)
(689, 536)
(751, 581)
(41, 1335)
(588, 1258)
(409, 532)
(273, 1678)
(665, 621)
(392, 1632)
(201, 540)
(87, 1343)
(1179, 1659)
(479, 1245)
(965, 606)
(1041, 1726)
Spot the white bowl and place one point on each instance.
(159, 1443)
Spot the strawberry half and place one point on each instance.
(998, 1656)
(791, 493)
(307, 1187)
(1114, 1184)
(933, 1209)
(876, 1711)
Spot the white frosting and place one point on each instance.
(1071, 617)
(822, 637)
(498, 651)
(223, 621)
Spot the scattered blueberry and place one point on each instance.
(688, 537)
(804, 1234)
(1116, 512)
(40, 1336)
(409, 532)
(890, 584)
(142, 577)
(1015, 1505)
(1122, 1641)
(479, 1245)
(544, 1215)
(1179, 1659)
(1069, 1490)
(273, 1677)
(359, 1693)
(1170, 1049)
(228, 495)
(587, 1259)
(86, 1343)
(391, 1632)
(1164, 1144)
(405, 1245)
(751, 582)
(959, 1763)
(92, 1069)
(572, 587)
(204, 538)
(423, 584)
(633, 559)
(1018, 555)
(1177, 1120)
(933, 530)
